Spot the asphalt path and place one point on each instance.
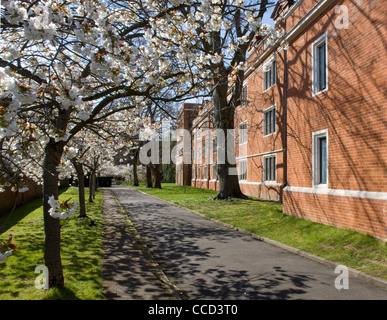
(206, 260)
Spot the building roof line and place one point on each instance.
(296, 30)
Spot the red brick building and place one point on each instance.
(185, 118)
(312, 129)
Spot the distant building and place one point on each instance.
(187, 114)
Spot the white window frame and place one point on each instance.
(316, 158)
(205, 172)
(264, 121)
(271, 155)
(242, 164)
(199, 154)
(205, 150)
(214, 173)
(194, 147)
(244, 101)
(315, 80)
(242, 133)
(271, 61)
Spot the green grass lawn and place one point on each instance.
(80, 251)
(264, 218)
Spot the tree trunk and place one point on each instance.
(52, 257)
(157, 176)
(154, 168)
(81, 193)
(148, 177)
(135, 173)
(92, 186)
(52, 155)
(224, 120)
(81, 188)
(227, 173)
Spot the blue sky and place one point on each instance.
(266, 17)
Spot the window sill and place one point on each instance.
(270, 134)
(269, 88)
(314, 94)
(320, 186)
(270, 183)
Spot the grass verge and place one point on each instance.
(80, 251)
(265, 218)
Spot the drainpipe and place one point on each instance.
(285, 125)
(208, 150)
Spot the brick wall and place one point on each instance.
(258, 144)
(8, 198)
(364, 215)
(353, 110)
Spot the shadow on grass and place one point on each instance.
(80, 251)
(245, 198)
(15, 216)
(60, 294)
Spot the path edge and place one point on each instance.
(381, 283)
(174, 290)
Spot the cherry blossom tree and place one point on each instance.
(214, 36)
(63, 64)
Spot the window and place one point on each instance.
(198, 177)
(269, 168)
(319, 65)
(205, 150)
(214, 145)
(244, 96)
(269, 121)
(193, 172)
(205, 169)
(242, 169)
(243, 132)
(214, 172)
(320, 158)
(270, 75)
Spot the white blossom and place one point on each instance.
(5, 255)
(71, 153)
(54, 213)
